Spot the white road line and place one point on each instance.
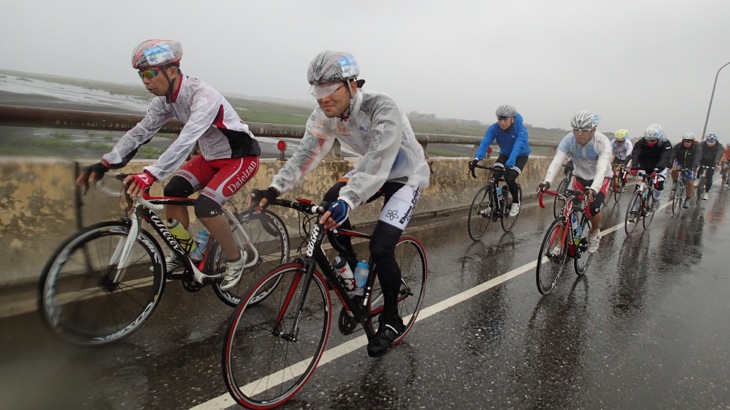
(224, 401)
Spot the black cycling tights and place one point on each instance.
(511, 177)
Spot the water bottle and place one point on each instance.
(361, 277)
(576, 228)
(181, 234)
(202, 241)
(345, 272)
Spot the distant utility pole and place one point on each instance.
(711, 97)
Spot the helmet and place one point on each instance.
(653, 132)
(332, 66)
(621, 134)
(506, 111)
(712, 138)
(584, 120)
(156, 53)
(688, 136)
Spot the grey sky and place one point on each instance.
(634, 62)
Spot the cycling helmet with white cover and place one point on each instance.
(653, 132)
(621, 134)
(506, 111)
(711, 138)
(584, 120)
(156, 53)
(332, 66)
(688, 136)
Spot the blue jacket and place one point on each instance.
(512, 142)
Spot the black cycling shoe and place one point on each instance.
(388, 332)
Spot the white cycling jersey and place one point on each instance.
(622, 151)
(378, 131)
(591, 161)
(209, 120)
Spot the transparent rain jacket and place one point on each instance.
(591, 161)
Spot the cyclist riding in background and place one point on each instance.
(392, 164)
(590, 151)
(686, 158)
(652, 153)
(514, 149)
(622, 148)
(725, 161)
(711, 155)
(229, 154)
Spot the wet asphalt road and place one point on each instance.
(645, 328)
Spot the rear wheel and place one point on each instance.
(480, 213)
(271, 349)
(560, 201)
(583, 258)
(265, 239)
(633, 213)
(508, 222)
(85, 299)
(411, 258)
(549, 266)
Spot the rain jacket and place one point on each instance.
(512, 142)
(710, 155)
(378, 131)
(687, 157)
(591, 161)
(649, 157)
(209, 120)
(623, 151)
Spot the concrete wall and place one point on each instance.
(40, 204)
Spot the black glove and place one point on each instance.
(97, 169)
(473, 164)
(543, 186)
(270, 194)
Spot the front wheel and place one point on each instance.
(265, 239)
(583, 258)
(480, 213)
(508, 222)
(271, 349)
(411, 258)
(700, 190)
(86, 299)
(648, 214)
(550, 265)
(677, 198)
(617, 188)
(633, 213)
(558, 203)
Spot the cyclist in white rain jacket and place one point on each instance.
(229, 152)
(391, 164)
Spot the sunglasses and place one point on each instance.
(503, 119)
(619, 142)
(148, 74)
(581, 130)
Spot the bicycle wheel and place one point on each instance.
(648, 214)
(480, 213)
(677, 197)
(85, 300)
(265, 239)
(558, 204)
(583, 258)
(616, 188)
(635, 205)
(271, 349)
(549, 267)
(700, 189)
(411, 258)
(508, 222)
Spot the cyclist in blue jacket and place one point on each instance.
(514, 149)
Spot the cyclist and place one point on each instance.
(514, 150)
(622, 148)
(711, 155)
(686, 158)
(652, 153)
(228, 151)
(590, 151)
(392, 164)
(725, 162)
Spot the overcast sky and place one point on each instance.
(635, 62)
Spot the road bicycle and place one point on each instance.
(679, 191)
(562, 188)
(565, 239)
(490, 203)
(701, 181)
(615, 187)
(641, 204)
(104, 281)
(271, 349)
(725, 174)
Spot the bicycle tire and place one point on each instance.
(677, 197)
(508, 222)
(79, 301)
(562, 187)
(549, 268)
(634, 203)
(265, 361)
(617, 188)
(700, 190)
(648, 214)
(583, 258)
(478, 224)
(268, 248)
(411, 258)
